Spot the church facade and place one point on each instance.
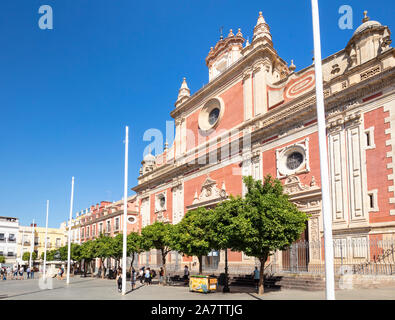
(257, 116)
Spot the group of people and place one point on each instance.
(144, 275)
(16, 272)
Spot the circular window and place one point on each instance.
(211, 114)
(132, 220)
(294, 160)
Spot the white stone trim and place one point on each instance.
(390, 107)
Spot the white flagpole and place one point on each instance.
(324, 167)
(69, 237)
(31, 247)
(46, 240)
(125, 210)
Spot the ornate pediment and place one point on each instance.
(209, 194)
(293, 185)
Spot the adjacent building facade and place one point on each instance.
(9, 229)
(32, 238)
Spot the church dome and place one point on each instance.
(149, 158)
(367, 25)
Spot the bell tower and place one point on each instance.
(226, 52)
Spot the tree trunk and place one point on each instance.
(164, 267)
(131, 264)
(262, 260)
(200, 258)
(102, 267)
(226, 286)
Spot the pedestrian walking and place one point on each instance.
(21, 271)
(60, 273)
(119, 280)
(141, 275)
(28, 272)
(15, 272)
(161, 275)
(147, 276)
(32, 273)
(256, 277)
(3, 273)
(186, 274)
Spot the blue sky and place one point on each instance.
(66, 94)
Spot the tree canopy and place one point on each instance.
(192, 236)
(267, 220)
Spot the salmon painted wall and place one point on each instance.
(377, 174)
(233, 115)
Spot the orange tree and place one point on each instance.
(267, 221)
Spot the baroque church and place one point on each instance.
(257, 116)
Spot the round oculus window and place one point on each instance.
(132, 220)
(213, 116)
(294, 160)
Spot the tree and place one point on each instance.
(158, 236)
(134, 245)
(2, 259)
(103, 250)
(87, 253)
(267, 221)
(191, 235)
(116, 246)
(63, 251)
(224, 229)
(26, 256)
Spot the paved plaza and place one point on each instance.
(92, 288)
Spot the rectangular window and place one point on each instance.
(116, 223)
(2, 237)
(368, 143)
(58, 244)
(108, 226)
(369, 138)
(11, 237)
(372, 202)
(101, 228)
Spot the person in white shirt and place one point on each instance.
(21, 271)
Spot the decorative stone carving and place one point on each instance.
(293, 185)
(210, 193)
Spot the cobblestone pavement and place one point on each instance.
(90, 288)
